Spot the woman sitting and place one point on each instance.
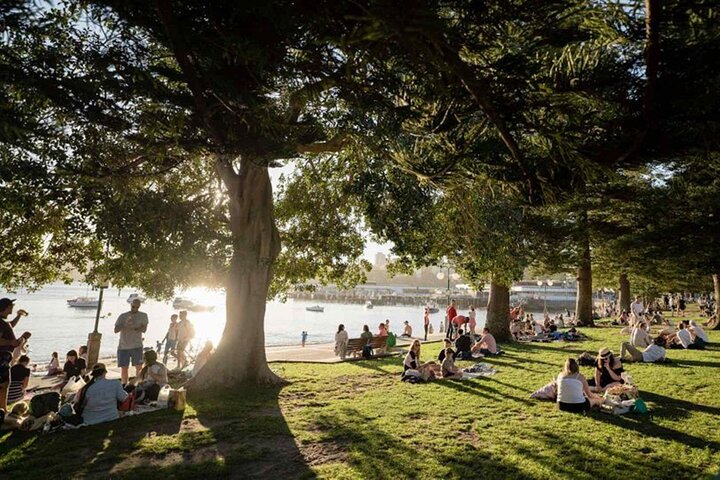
(20, 376)
(153, 377)
(54, 365)
(74, 366)
(97, 401)
(573, 391)
(608, 371)
(426, 371)
(341, 341)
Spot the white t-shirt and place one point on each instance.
(684, 337)
(640, 338)
(538, 329)
(570, 389)
(637, 308)
(699, 332)
(653, 353)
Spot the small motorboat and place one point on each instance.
(83, 302)
(315, 308)
(433, 309)
(369, 305)
(184, 303)
(135, 296)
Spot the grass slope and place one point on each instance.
(357, 420)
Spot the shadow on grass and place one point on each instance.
(403, 457)
(228, 434)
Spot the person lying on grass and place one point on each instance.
(653, 353)
(449, 370)
(427, 371)
(608, 371)
(573, 391)
(486, 345)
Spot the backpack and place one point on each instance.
(391, 340)
(586, 360)
(41, 405)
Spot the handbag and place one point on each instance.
(128, 404)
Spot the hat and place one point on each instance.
(604, 352)
(6, 302)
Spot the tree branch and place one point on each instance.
(334, 145)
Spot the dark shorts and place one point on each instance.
(134, 355)
(574, 407)
(5, 359)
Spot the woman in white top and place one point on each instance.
(573, 391)
(341, 341)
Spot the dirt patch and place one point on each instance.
(324, 452)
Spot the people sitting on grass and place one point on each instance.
(341, 341)
(448, 368)
(447, 345)
(74, 366)
(19, 378)
(54, 365)
(608, 371)
(486, 345)
(622, 319)
(97, 401)
(412, 364)
(152, 378)
(463, 346)
(684, 339)
(407, 330)
(654, 352)
(640, 337)
(573, 390)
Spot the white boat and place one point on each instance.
(184, 303)
(315, 308)
(83, 302)
(369, 305)
(135, 296)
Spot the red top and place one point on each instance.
(458, 320)
(451, 312)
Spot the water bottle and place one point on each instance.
(163, 397)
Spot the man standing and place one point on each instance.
(450, 313)
(131, 325)
(426, 321)
(8, 342)
(170, 338)
(185, 333)
(637, 308)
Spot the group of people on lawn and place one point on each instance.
(97, 400)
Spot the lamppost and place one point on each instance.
(548, 283)
(442, 275)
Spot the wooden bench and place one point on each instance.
(355, 345)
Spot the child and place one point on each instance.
(54, 365)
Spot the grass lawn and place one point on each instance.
(358, 421)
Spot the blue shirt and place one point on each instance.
(101, 401)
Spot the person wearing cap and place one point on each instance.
(608, 371)
(97, 401)
(8, 342)
(131, 325)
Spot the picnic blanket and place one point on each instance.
(478, 370)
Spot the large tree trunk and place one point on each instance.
(498, 312)
(624, 293)
(240, 356)
(584, 298)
